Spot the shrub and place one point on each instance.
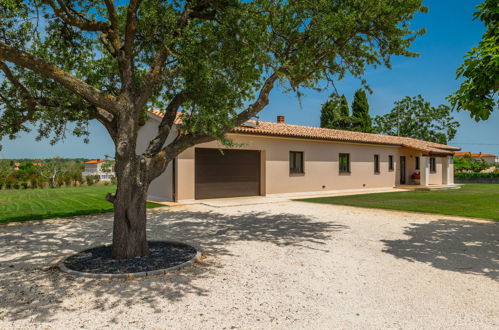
(60, 181)
(67, 181)
(9, 182)
(90, 180)
(24, 185)
(114, 181)
(106, 183)
(472, 175)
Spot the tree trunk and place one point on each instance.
(129, 231)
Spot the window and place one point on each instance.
(417, 163)
(344, 163)
(295, 162)
(390, 163)
(433, 165)
(376, 163)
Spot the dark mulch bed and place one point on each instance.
(98, 260)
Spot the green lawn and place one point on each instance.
(473, 200)
(33, 204)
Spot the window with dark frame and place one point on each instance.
(344, 162)
(390, 163)
(417, 163)
(433, 165)
(296, 162)
(376, 164)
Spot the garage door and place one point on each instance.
(235, 173)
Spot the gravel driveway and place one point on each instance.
(280, 266)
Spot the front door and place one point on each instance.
(402, 169)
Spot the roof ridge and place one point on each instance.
(333, 134)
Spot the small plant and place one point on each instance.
(106, 183)
(416, 176)
(90, 180)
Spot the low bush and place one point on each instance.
(90, 180)
(475, 175)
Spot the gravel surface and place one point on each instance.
(99, 260)
(289, 265)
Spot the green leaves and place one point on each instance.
(478, 93)
(416, 118)
(360, 112)
(217, 53)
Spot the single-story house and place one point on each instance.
(96, 167)
(488, 158)
(274, 158)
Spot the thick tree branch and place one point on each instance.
(165, 126)
(67, 14)
(131, 26)
(49, 70)
(261, 102)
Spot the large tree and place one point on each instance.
(414, 117)
(360, 112)
(215, 61)
(479, 92)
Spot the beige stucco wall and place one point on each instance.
(436, 177)
(320, 165)
(161, 188)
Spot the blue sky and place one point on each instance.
(450, 34)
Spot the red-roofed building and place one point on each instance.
(97, 167)
(489, 158)
(275, 158)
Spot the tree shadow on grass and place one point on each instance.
(32, 287)
(468, 247)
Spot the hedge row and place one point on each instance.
(473, 175)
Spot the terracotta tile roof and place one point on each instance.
(317, 133)
(95, 161)
(460, 154)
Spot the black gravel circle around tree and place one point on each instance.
(98, 260)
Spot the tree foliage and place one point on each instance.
(214, 61)
(414, 117)
(335, 113)
(478, 93)
(468, 163)
(360, 112)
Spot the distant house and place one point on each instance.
(489, 158)
(99, 167)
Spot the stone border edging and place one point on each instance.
(162, 271)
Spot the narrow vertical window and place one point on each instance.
(433, 165)
(390, 163)
(376, 163)
(295, 162)
(344, 162)
(417, 163)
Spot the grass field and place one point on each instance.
(33, 204)
(473, 200)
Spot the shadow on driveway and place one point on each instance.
(468, 247)
(32, 287)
